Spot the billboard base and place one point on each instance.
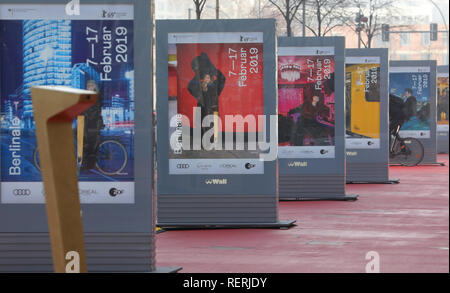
(166, 270)
(421, 164)
(194, 226)
(390, 181)
(347, 197)
(442, 143)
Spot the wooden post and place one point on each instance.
(54, 110)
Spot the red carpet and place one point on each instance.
(407, 224)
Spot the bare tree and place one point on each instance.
(377, 13)
(325, 15)
(288, 9)
(199, 5)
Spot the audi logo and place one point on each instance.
(183, 166)
(22, 192)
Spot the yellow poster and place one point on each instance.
(363, 105)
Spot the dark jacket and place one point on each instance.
(410, 108)
(311, 112)
(209, 99)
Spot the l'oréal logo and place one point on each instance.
(227, 166)
(88, 192)
(307, 152)
(216, 181)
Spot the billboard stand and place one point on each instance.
(215, 84)
(367, 121)
(442, 109)
(311, 114)
(105, 49)
(421, 164)
(415, 82)
(390, 181)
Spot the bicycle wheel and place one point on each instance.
(409, 152)
(36, 159)
(112, 157)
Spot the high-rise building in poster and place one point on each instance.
(82, 73)
(129, 115)
(47, 58)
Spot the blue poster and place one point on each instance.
(413, 88)
(95, 54)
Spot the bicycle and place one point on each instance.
(407, 151)
(109, 153)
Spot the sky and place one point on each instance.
(242, 8)
(425, 7)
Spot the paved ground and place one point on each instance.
(407, 224)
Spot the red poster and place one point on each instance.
(306, 100)
(234, 72)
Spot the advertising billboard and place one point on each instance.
(412, 84)
(306, 102)
(362, 92)
(219, 75)
(43, 45)
(442, 101)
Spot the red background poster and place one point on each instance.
(242, 66)
(299, 79)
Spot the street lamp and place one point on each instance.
(445, 24)
(361, 20)
(221, 10)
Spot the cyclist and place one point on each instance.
(410, 108)
(409, 152)
(396, 113)
(92, 128)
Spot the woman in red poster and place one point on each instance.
(206, 86)
(312, 110)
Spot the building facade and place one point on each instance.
(47, 58)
